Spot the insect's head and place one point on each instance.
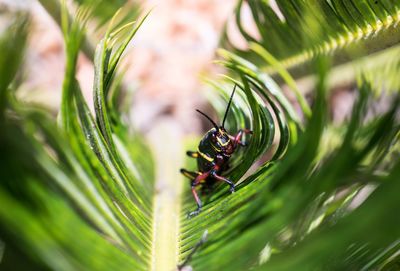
(220, 137)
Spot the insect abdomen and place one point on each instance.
(207, 154)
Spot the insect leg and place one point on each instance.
(223, 179)
(238, 138)
(193, 154)
(196, 182)
(189, 174)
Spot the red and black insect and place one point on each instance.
(212, 156)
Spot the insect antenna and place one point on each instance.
(229, 104)
(215, 125)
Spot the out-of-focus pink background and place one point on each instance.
(174, 46)
(176, 43)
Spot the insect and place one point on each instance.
(213, 154)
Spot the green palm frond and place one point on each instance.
(101, 11)
(311, 195)
(75, 165)
(292, 206)
(295, 32)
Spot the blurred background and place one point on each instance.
(163, 67)
(175, 45)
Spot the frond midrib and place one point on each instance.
(167, 150)
(350, 31)
(342, 49)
